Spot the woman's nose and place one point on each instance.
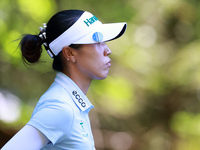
(107, 51)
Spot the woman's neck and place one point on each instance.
(81, 82)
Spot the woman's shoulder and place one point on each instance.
(55, 90)
(55, 94)
(55, 97)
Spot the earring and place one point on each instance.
(67, 59)
(74, 61)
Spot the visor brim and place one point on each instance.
(110, 32)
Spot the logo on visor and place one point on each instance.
(97, 37)
(90, 21)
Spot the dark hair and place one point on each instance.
(31, 45)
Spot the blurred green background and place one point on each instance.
(151, 98)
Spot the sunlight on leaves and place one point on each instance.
(185, 123)
(187, 126)
(140, 60)
(185, 64)
(2, 26)
(116, 94)
(170, 4)
(37, 9)
(11, 44)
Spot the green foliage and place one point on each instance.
(152, 91)
(116, 96)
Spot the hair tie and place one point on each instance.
(42, 35)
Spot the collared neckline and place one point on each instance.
(79, 98)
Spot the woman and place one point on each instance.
(76, 41)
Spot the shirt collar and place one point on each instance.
(79, 98)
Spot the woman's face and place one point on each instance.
(93, 60)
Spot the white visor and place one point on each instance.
(87, 30)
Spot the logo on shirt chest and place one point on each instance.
(84, 133)
(79, 99)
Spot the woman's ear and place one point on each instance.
(68, 53)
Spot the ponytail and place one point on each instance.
(31, 45)
(31, 48)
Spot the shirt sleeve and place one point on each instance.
(27, 138)
(54, 119)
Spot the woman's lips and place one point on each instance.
(108, 63)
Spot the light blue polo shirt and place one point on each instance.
(61, 115)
